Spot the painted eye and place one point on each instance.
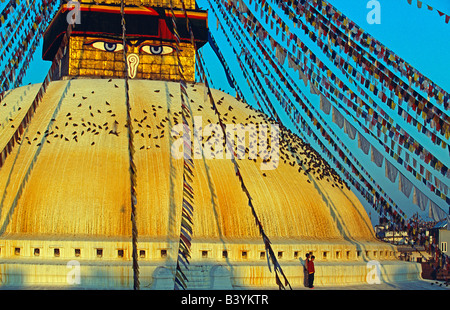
(107, 46)
(110, 47)
(157, 49)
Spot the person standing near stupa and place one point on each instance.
(311, 272)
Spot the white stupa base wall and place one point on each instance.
(207, 276)
(107, 264)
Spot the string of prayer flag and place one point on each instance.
(131, 151)
(186, 230)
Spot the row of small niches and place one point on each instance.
(206, 254)
(99, 253)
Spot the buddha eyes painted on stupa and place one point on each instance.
(145, 47)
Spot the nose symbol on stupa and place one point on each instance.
(132, 62)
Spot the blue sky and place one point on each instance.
(419, 36)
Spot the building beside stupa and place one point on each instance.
(65, 179)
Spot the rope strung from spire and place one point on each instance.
(363, 60)
(184, 248)
(330, 87)
(382, 118)
(23, 127)
(131, 155)
(269, 251)
(37, 99)
(19, 39)
(297, 118)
